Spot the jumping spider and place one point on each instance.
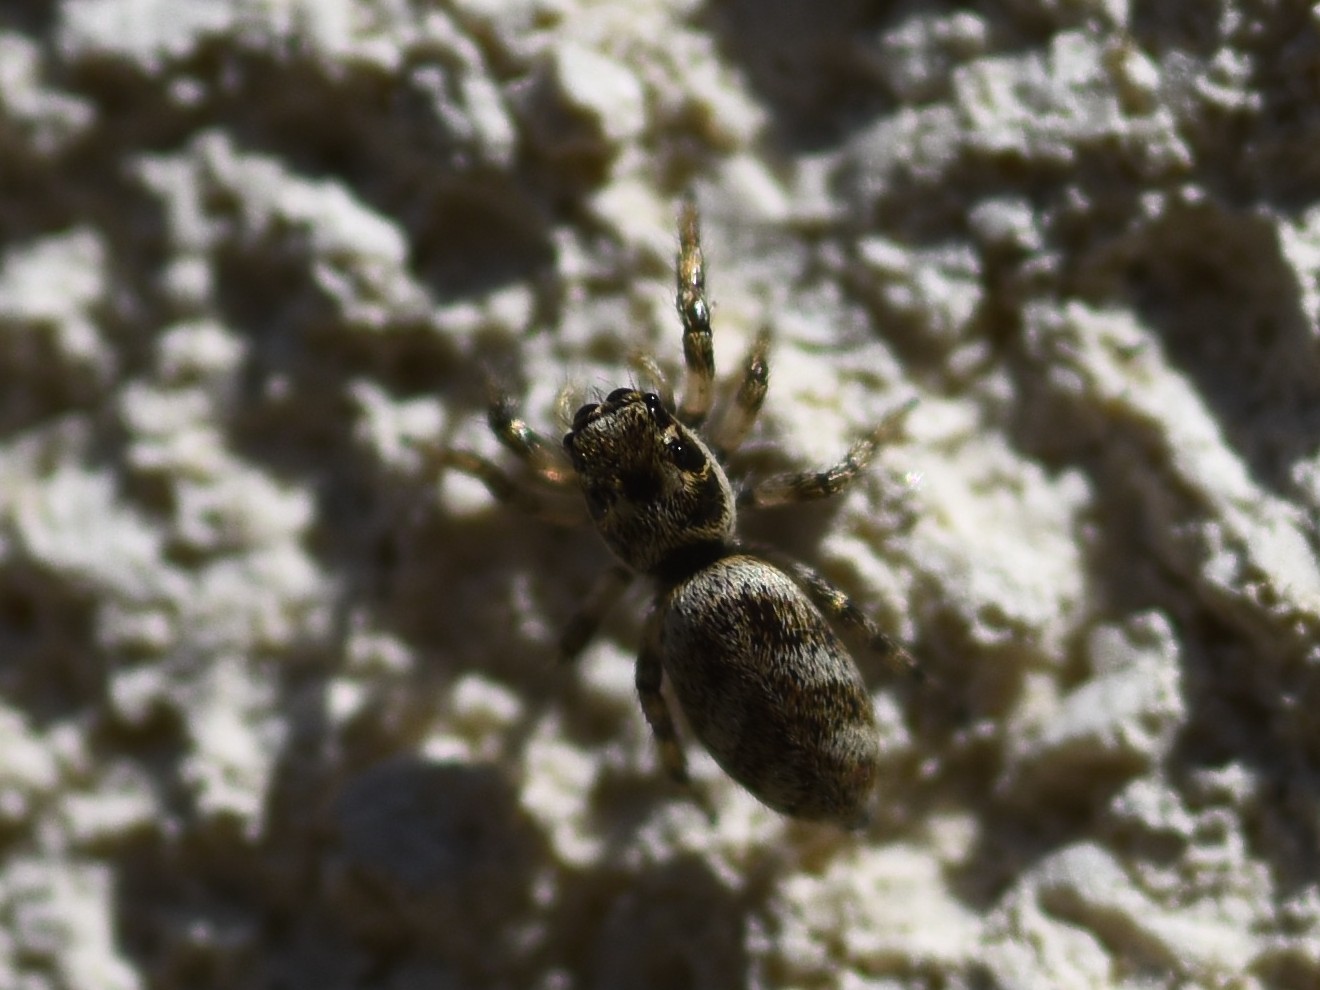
(765, 683)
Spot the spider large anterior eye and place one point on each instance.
(618, 395)
(686, 456)
(582, 415)
(657, 409)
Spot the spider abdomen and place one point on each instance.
(770, 690)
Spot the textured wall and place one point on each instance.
(277, 710)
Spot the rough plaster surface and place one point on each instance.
(277, 709)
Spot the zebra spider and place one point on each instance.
(744, 642)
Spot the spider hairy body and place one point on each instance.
(744, 642)
(770, 690)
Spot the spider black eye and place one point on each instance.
(687, 456)
(657, 409)
(618, 395)
(582, 415)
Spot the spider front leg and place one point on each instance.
(544, 457)
(504, 488)
(584, 623)
(550, 501)
(739, 417)
(803, 486)
(693, 310)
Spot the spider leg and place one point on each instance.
(584, 623)
(650, 673)
(653, 378)
(739, 417)
(693, 310)
(543, 456)
(836, 605)
(506, 489)
(804, 486)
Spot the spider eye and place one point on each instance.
(657, 410)
(687, 456)
(618, 395)
(582, 415)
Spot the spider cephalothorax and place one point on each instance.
(653, 489)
